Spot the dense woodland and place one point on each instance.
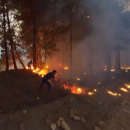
(34, 28)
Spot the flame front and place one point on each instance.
(41, 72)
(74, 89)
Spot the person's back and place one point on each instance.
(49, 76)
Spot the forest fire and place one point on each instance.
(41, 72)
(113, 94)
(72, 88)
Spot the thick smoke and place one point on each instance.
(106, 20)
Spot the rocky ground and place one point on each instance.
(119, 117)
(61, 110)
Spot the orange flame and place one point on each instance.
(76, 90)
(41, 72)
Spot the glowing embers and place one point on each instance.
(66, 68)
(124, 90)
(95, 90)
(113, 94)
(88, 16)
(112, 70)
(128, 86)
(47, 66)
(90, 93)
(78, 79)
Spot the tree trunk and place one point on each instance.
(11, 41)
(118, 59)
(89, 57)
(40, 59)
(21, 62)
(71, 43)
(34, 44)
(108, 60)
(45, 56)
(20, 59)
(4, 37)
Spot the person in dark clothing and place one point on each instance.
(46, 78)
(29, 64)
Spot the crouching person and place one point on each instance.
(45, 79)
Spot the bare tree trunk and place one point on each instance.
(19, 58)
(40, 59)
(71, 43)
(89, 58)
(45, 56)
(37, 55)
(11, 41)
(118, 59)
(108, 59)
(34, 44)
(5, 43)
(21, 62)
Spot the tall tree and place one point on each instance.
(11, 39)
(4, 34)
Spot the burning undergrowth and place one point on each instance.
(75, 89)
(20, 90)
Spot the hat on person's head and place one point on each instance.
(54, 71)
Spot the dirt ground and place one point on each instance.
(101, 110)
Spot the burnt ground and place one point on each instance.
(102, 110)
